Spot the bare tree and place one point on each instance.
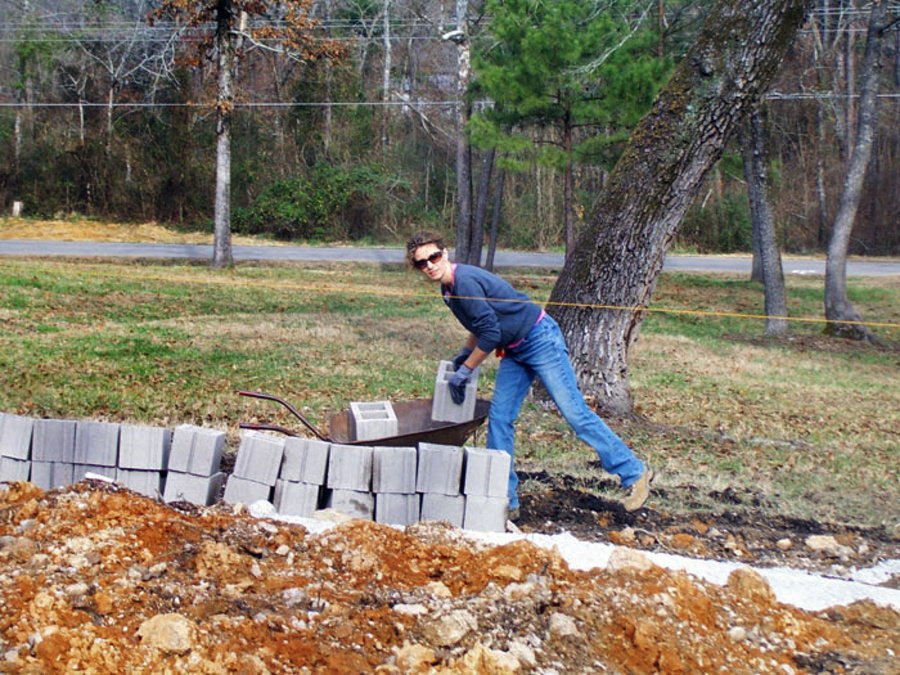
(607, 282)
(460, 37)
(753, 151)
(844, 320)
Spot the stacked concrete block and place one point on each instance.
(52, 453)
(194, 460)
(394, 485)
(443, 409)
(350, 480)
(485, 482)
(143, 458)
(256, 469)
(440, 469)
(354, 503)
(438, 481)
(15, 447)
(446, 508)
(304, 467)
(96, 449)
(293, 498)
(371, 421)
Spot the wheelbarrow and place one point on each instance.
(414, 424)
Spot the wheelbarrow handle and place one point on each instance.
(296, 413)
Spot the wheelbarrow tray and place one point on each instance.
(414, 426)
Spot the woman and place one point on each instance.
(502, 320)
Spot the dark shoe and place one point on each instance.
(638, 493)
(513, 514)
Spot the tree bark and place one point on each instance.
(496, 214)
(844, 320)
(463, 148)
(753, 152)
(481, 202)
(608, 280)
(222, 254)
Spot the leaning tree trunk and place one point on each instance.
(753, 152)
(222, 255)
(607, 282)
(496, 214)
(481, 202)
(843, 319)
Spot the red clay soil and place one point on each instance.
(97, 579)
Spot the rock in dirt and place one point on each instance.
(170, 633)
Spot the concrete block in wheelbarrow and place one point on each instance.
(486, 472)
(486, 514)
(53, 441)
(448, 508)
(350, 467)
(353, 503)
(443, 409)
(15, 436)
(392, 508)
(97, 444)
(188, 487)
(305, 461)
(144, 448)
(259, 458)
(370, 421)
(440, 469)
(297, 499)
(196, 450)
(245, 491)
(393, 470)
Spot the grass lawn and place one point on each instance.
(803, 426)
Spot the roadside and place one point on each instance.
(19, 237)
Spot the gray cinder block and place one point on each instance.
(448, 508)
(372, 420)
(350, 467)
(440, 469)
(259, 458)
(79, 471)
(51, 475)
(486, 514)
(305, 461)
(144, 448)
(196, 450)
(15, 436)
(14, 469)
(486, 472)
(393, 508)
(393, 470)
(96, 443)
(53, 441)
(297, 499)
(147, 483)
(443, 409)
(245, 491)
(192, 488)
(353, 503)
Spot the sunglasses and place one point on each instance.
(434, 259)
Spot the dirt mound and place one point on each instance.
(98, 579)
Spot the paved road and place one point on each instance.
(15, 247)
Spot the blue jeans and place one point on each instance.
(544, 354)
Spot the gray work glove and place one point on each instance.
(458, 384)
(460, 358)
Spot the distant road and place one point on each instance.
(674, 263)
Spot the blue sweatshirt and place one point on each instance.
(481, 302)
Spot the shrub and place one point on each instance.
(331, 203)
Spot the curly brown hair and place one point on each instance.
(422, 239)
